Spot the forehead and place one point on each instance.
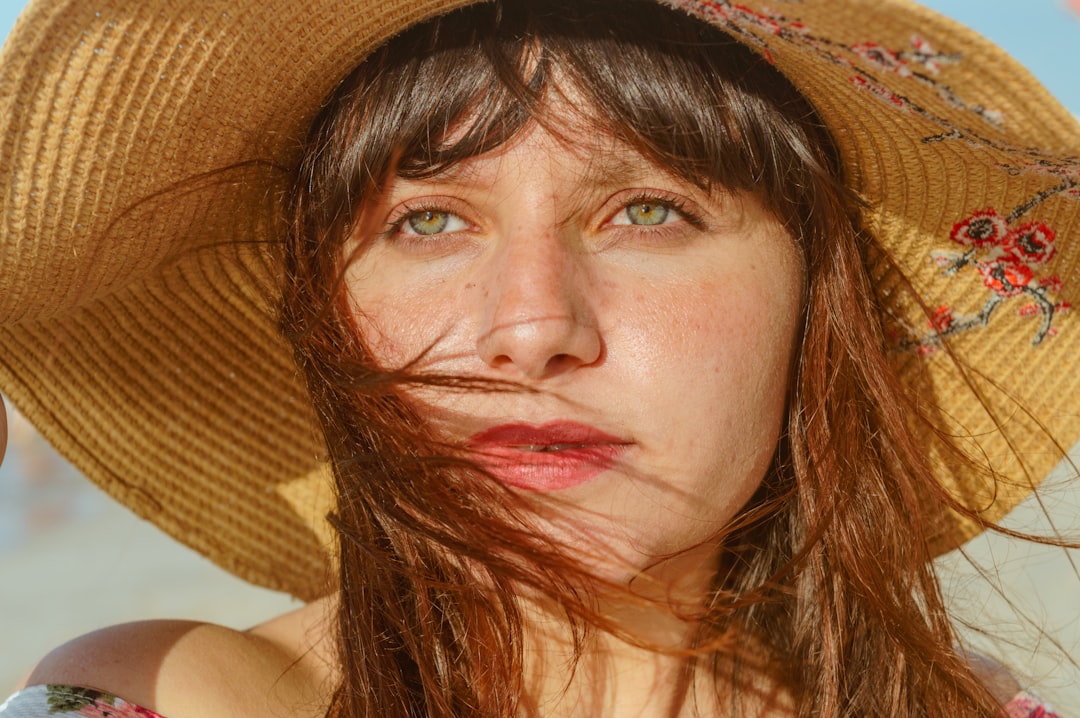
(561, 108)
(565, 128)
(557, 140)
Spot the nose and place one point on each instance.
(539, 319)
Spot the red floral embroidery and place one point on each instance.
(918, 62)
(883, 57)
(741, 13)
(1007, 256)
(1005, 277)
(901, 62)
(1032, 243)
(726, 11)
(982, 229)
(744, 22)
(928, 56)
(1008, 252)
(942, 318)
(879, 91)
(1051, 284)
(904, 64)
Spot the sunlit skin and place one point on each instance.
(637, 304)
(640, 305)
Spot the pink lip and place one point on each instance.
(579, 452)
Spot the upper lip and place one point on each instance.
(551, 434)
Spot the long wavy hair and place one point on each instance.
(826, 573)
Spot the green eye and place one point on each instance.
(647, 213)
(428, 222)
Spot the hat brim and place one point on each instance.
(144, 146)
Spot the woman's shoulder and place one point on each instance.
(186, 669)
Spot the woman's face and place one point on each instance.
(656, 322)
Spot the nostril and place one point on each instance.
(564, 362)
(559, 363)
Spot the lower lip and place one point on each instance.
(586, 451)
(548, 470)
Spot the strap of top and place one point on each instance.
(48, 701)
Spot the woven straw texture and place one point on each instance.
(141, 152)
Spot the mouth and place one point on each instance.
(552, 456)
(549, 447)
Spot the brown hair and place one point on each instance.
(827, 570)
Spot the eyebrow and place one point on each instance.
(619, 170)
(603, 169)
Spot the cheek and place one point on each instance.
(383, 329)
(400, 320)
(717, 353)
(752, 347)
(738, 335)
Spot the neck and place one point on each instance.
(602, 675)
(647, 659)
(639, 664)
(605, 675)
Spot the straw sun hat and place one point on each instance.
(136, 280)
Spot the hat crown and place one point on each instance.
(144, 144)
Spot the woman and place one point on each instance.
(652, 358)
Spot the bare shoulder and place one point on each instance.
(186, 669)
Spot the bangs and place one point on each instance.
(681, 93)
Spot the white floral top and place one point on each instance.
(52, 700)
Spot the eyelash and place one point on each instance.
(677, 204)
(395, 225)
